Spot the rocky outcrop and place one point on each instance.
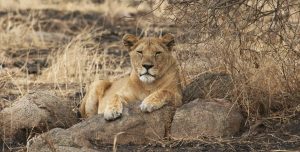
(202, 117)
(217, 118)
(133, 127)
(207, 86)
(37, 111)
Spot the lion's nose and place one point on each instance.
(147, 66)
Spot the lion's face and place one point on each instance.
(150, 57)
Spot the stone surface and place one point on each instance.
(214, 117)
(134, 127)
(38, 112)
(201, 117)
(208, 85)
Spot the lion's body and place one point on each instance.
(153, 87)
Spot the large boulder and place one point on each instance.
(202, 117)
(207, 86)
(134, 127)
(37, 112)
(214, 117)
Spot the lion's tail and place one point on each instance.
(89, 104)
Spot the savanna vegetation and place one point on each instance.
(64, 45)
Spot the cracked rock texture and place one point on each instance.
(212, 117)
(43, 112)
(134, 127)
(38, 111)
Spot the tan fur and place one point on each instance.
(154, 88)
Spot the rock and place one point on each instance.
(37, 112)
(217, 118)
(208, 85)
(134, 127)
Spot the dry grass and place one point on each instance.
(264, 73)
(264, 66)
(67, 5)
(76, 57)
(83, 60)
(255, 42)
(80, 60)
(111, 9)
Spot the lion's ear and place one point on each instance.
(168, 40)
(129, 40)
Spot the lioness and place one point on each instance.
(154, 80)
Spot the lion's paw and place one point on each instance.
(112, 113)
(147, 107)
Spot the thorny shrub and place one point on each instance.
(257, 42)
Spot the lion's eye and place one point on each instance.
(139, 52)
(157, 53)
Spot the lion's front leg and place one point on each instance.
(156, 100)
(114, 108)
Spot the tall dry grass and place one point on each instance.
(67, 5)
(17, 33)
(78, 59)
(111, 9)
(254, 41)
(84, 60)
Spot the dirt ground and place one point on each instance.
(23, 68)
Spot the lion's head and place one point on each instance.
(150, 56)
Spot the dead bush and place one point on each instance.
(257, 42)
